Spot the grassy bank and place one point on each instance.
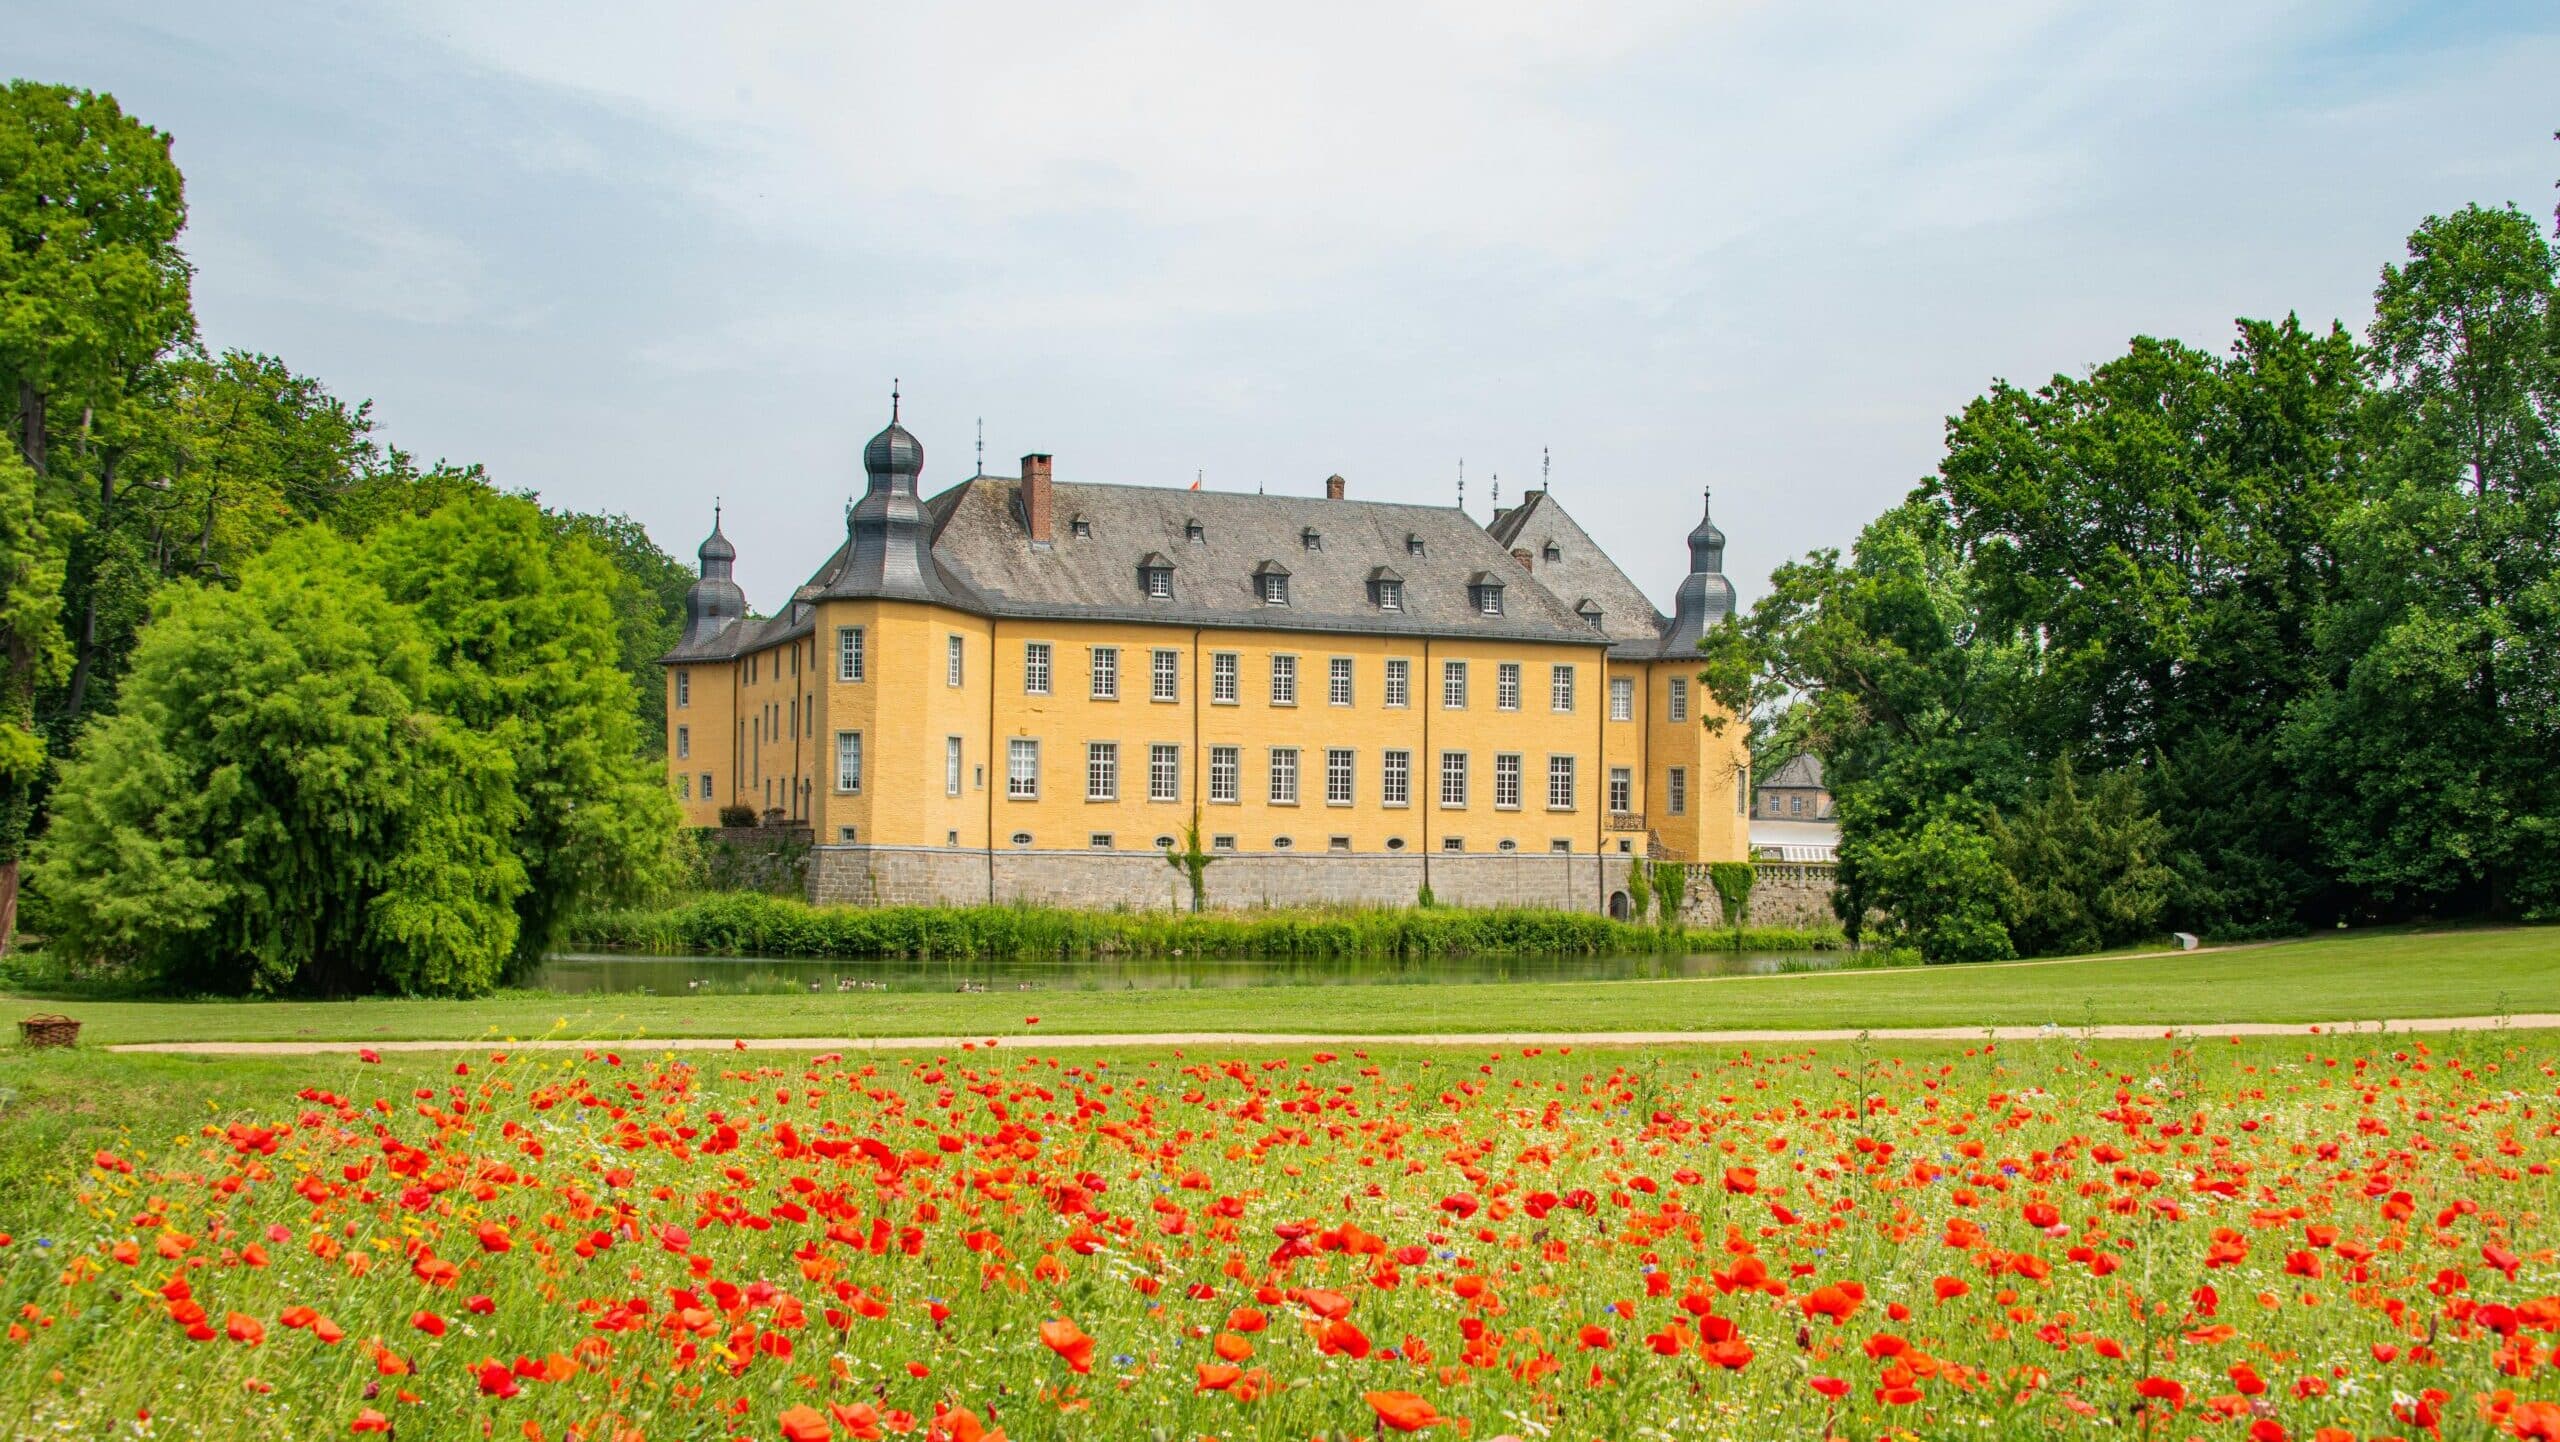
(746, 924)
(2364, 976)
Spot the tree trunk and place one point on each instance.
(8, 903)
(31, 425)
(85, 645)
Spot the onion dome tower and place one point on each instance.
(889, 540)
(1705, 596)
(715, 602)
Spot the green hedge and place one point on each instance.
(746, 924)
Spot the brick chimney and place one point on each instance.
(1333, 488)
(1522, 556)
(1036, 500)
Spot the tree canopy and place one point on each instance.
(2239, 642)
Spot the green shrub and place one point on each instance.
(752, 924)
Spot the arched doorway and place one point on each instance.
(1620, 909)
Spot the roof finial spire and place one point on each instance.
(1546, 464)
(893, 400)
(715, 513)
(1497, 495)
(1462, 483)
(1710, 507)
(982, 442)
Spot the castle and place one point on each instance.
(1029, 690)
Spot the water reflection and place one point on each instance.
(734, 976)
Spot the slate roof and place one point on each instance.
(981, 560)
(1581, 571)
(1802, 771)
(979, 537)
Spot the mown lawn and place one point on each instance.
(2395, 973)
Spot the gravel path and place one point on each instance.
(1085, 1041)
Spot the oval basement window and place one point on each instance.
(1508, 845)
(1164, 843)
(1280, 843)
(1395, 843)
(1022, 838)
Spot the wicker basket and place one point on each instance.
(49, 1029)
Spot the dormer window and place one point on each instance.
(1589, 611)
(1080, 528)
(1191, 532)
(1386, 589)
(1484, 594)
(1309, 539)
(1412, 544)
(1155, 577)
(1554, 552)
(1271, 583)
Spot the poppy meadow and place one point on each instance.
(2329, 1238)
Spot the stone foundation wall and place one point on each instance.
(1141, 881)
(1785, 893)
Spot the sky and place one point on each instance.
(637, 255)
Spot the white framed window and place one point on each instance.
(1453, 843)
(1679, 701)
(1506, 781)
(1395, 778)
(848, 761)
(950, 765)
(1622, 698)
(1399, 681)
(1675, 791)
(684, 687)
(1275, 589)
(1284, 775)
(1284, 680)
(848, 653)
(1106, 673)
(953, 665)
(1099, 840)
(1223, 671)
(1453, 780)
(1560, 689)
(684, 742)
(1338, 776)
(1742, 791)
(1160, 583)
(1164, 675)
(1560, 783)
(1391, 595)
(1506, 686)
(1035, 668)
(1022, 769)
(1225, 766)
(706, 785)
(1488, 599)
(1337, 681)
(1164, 772)
(1102, 771)
(1453, 685)
(1622, 791)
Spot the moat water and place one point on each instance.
(748, 975)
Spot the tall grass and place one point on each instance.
(747, 924)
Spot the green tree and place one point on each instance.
(2429, 743)
(201, 464)
(92, 285)
(33, 534)
(1944, 885)
(278, 806)
(2085, 868)
(648, 607)
(520, 622)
